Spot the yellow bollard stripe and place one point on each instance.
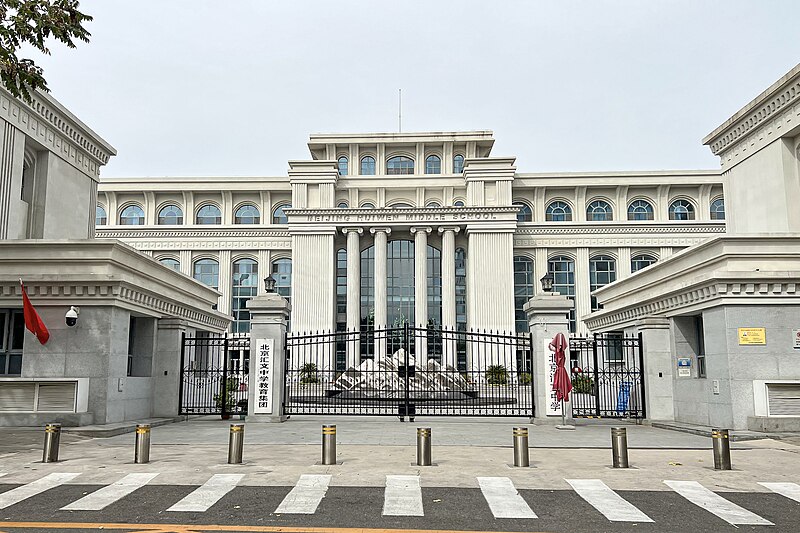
(236, 429)
(142, 431)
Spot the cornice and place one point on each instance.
(713, 292)
(52, 125)
(176, 233)
(177, 245)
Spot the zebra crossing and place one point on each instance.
(403, 496)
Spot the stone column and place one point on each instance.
(449, 293)
(268, 316)
(583, 298)
(624, 263)
(353, 293)
(421, 288)
(225, 282)
(658, 365)
(381, 243)
(167, 366)
(548, 315)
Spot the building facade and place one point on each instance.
(426, 228)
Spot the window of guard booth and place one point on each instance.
(12, 340)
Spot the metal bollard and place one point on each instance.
(329, 445)
(423, 446)
(52, 438)
(521, 457)
(142, 451)
(619, 447)
(235, 444)
(722, 449)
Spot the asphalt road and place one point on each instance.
(19, 440)
(251, 508)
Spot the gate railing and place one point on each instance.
(409, 371)
(607, 377)
(214, 375)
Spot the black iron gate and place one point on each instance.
(408, 371)
(607, 377)
(214, 375)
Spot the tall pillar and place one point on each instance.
(268, 316)
(658, 382)
(381, 245)
(624, 263)
(225, 281)
(449, 293)
(185, 258)
(313, 280)
(583, 298)
(167, 358)
(353, 293)
(421, 289)
(548, 315)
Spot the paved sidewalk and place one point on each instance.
(369, 449)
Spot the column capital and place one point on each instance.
(417, 229)
(652, 322)
(352, 230)
(454, 229)
(387, 231)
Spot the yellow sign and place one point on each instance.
(752, 336)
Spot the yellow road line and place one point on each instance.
(182, 528)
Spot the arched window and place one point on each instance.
(100, 216)
(641, 261)
(342, 161)
(132, 216)
(399, 165)
(342, 205)
(524, 214)
(458, 164)
(640, 210)
(401, 205)
(602, 271)
(247, 214)
(563, 270)
(432, 205)
(681, 210)
(367, 205)
(170, 215)
(718, 209)
(461, 308)
(244, 286)
(433, 164)
(524, 289)
(209, 214)
(599, 211)
(458, 203)
(207, 271)
(367, 165)
(278, 216)
(174, 264)
(558, 212)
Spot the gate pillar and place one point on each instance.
(268, 316)
(167, 366)
(658, 364)
(548, 314)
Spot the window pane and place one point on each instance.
(17, 330)
(207, 271)
(209, 214)
(132, 216)
(400, 165)
(367, 166)
(170, 262)
(100, 217)
(15, 364)
(247, 214)
(170, 215)
(458, 164)
(342, 163)
(433, 165)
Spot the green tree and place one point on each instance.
(33, 22)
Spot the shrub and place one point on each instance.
(525, 378)
(231, 386)
(582, 383)
(308, 374)
(496, 375)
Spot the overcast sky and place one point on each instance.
(233, 88)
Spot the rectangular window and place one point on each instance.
(701, 346)
(12, 339)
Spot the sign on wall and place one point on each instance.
(684, 367)
(264, 353)
(796, 337)
(752, 336)
(553, 405)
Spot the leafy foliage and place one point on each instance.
(496, 375)
(33, 22)
(582, 383)
(308, 374)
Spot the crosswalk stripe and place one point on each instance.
(402, 496)
(503, 498)
(790, 490)
(608, 502)
(2, 474)
(306, 495)
(208, 494)
(34, 487)
(716, 504)
(102, 498)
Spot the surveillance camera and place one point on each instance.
(71, 318)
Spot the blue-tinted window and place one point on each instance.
(247, 214)
(400, 165)
(640, 210)
(558, 212)
(681, 210)
(342, 166)
(133, 215)
(209, 214)
(433, 164)
(170, 215)
(599, 211)
(367, 165)
(458, 164)
(100, 217)
(278, 216)
(718, 209)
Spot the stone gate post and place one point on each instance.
(268, 316)
(548, 314)
(658, 364)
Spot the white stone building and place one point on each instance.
(429, 228)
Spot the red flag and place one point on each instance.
(33, 321)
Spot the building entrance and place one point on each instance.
(409, 371)
(214, 375)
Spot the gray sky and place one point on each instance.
(232, 88)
